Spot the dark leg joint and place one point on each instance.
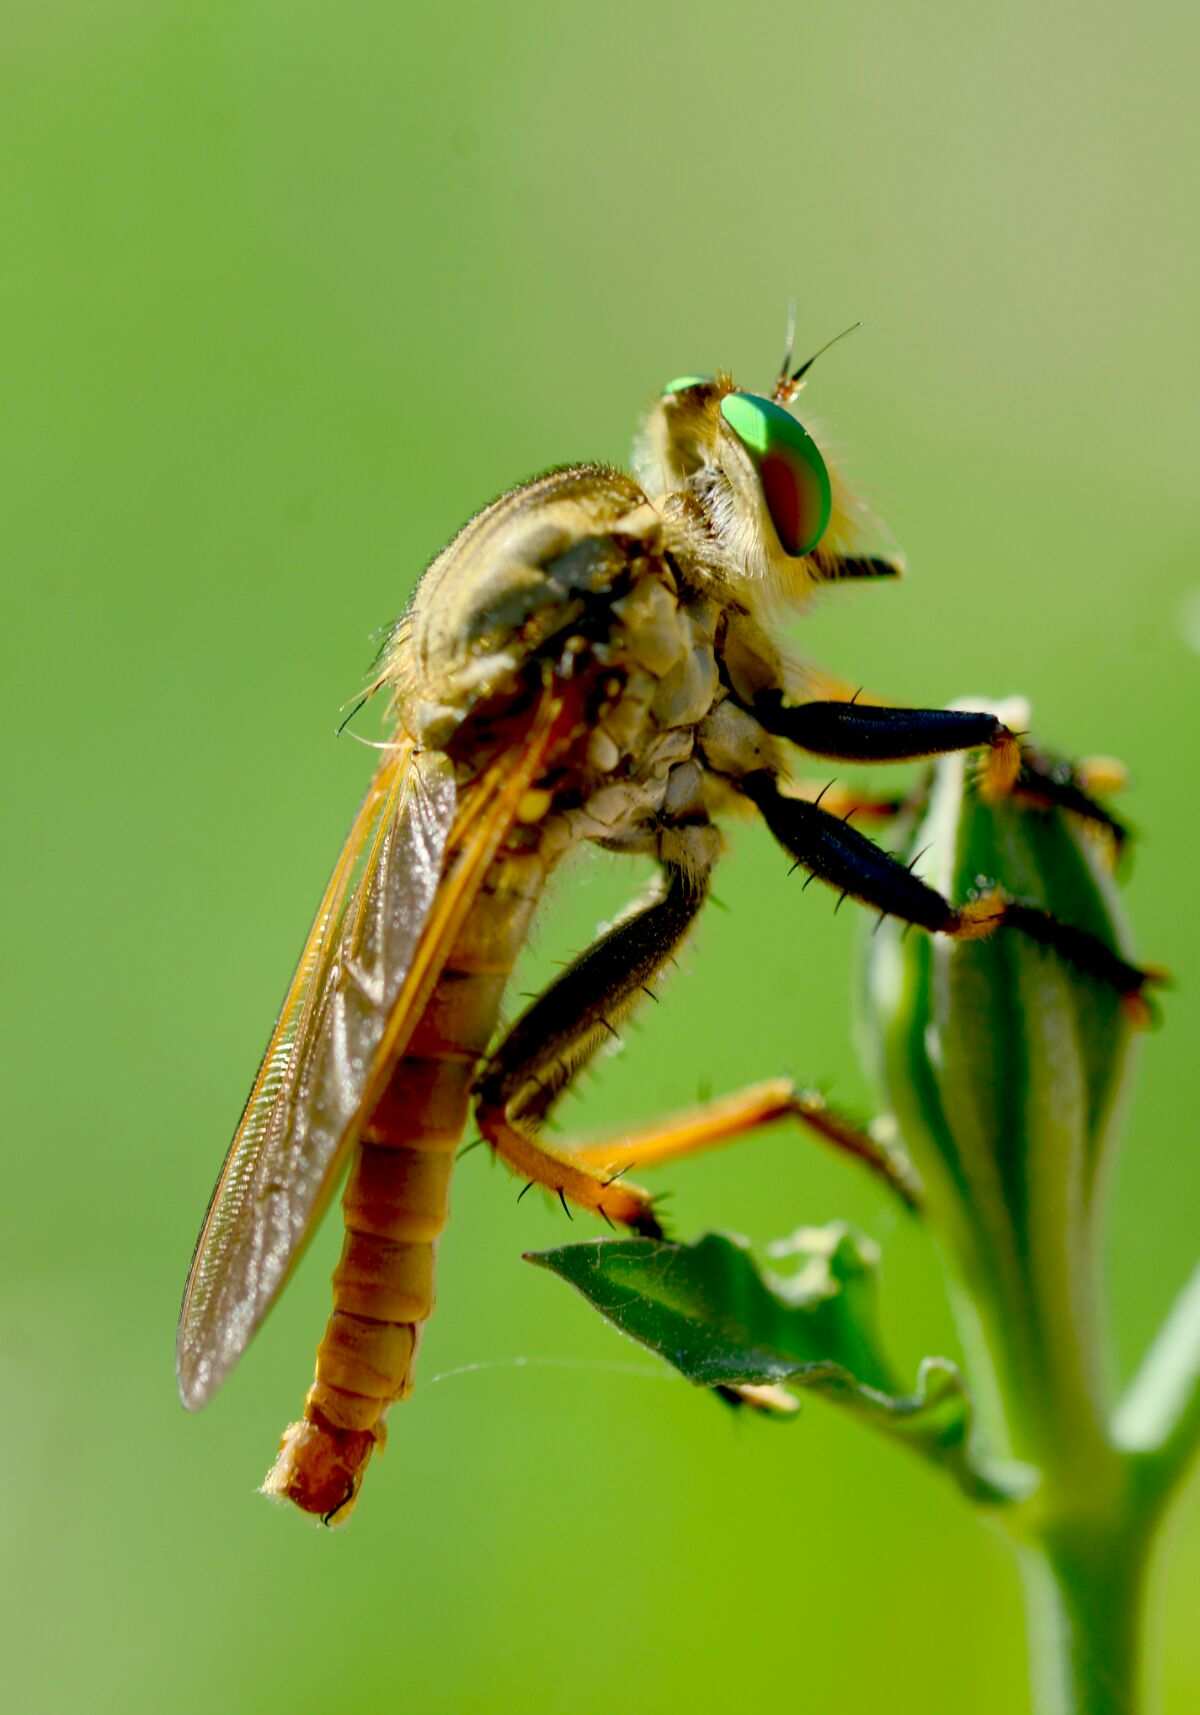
(647, 1225)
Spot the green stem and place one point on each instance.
(1085, 1573)
(1084, 1596)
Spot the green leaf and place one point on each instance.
(709, 1311)
(1158, 1419)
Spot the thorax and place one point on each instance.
(576, 573)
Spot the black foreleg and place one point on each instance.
(869, 732)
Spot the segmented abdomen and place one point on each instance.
(395, 1204)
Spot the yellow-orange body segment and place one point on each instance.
(396, 1199)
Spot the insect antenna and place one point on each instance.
(787, 386)
(789, 349)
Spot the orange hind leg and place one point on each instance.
(562, 1030)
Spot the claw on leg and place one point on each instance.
(613, 1200)
(1001, 767)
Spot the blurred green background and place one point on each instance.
(286, 291)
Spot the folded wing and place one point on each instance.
(302, 1113)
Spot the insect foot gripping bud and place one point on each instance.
(1003, 1061)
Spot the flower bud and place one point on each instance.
(1002, 1060)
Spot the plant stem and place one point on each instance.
(1084, 1597)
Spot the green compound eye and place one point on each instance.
(682, 382)
(794, 479)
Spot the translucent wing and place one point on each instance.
(301, 1113)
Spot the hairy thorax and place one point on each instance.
(584, 574)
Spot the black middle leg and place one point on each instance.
(560, 1032)
(848, 860)
(838, 854)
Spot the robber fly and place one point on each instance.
(590, 659)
